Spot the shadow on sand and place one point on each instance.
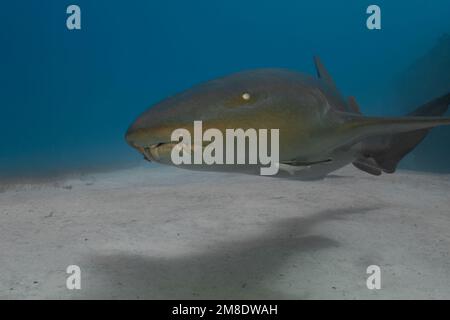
(241, 269)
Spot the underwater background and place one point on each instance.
(67, 97)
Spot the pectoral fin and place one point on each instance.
(294, 166)
(368, 165)
(298, 163)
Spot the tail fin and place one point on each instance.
(384, 152)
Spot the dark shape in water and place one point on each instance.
(427, 76)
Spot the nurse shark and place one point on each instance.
(320, 131)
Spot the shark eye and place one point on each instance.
(243, 99)
(246, 96)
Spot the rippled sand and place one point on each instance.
(159, 232)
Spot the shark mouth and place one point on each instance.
(151, 153)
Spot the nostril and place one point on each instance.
(148, 155)
(154, 151)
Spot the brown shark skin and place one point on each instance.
(314, 120)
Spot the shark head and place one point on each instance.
(259, 99)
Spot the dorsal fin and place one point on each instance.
(322, 72)
(339, 102)
(353, 105)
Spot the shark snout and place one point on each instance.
(140, 135)
(151, 138)
(131, 136)
(148, 149)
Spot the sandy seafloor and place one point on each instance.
(159, 232)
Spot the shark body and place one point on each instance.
(320, 131)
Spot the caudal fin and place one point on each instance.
(384, 152)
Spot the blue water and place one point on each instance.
(67, 97)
